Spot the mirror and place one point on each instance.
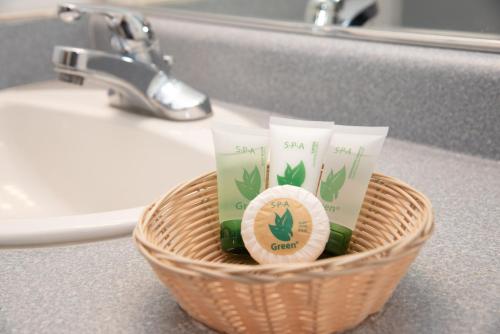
(462, 24)
(478, 16)
(469, 23)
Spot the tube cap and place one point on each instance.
(339, 239)
(230, 237)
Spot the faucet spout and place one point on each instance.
(134, 84)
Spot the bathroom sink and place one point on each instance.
(72, 168)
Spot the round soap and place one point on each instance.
(285, 224)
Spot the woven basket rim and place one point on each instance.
(377, 255)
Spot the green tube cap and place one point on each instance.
(339, 239)
(230, 237)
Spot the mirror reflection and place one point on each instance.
(479, 16)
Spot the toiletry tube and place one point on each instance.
(297, 151)
(241, 160)
(348, 166)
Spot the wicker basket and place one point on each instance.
(179, 236)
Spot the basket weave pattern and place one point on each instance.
(179, 236)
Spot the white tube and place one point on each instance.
(297, 151)
(241, 160)
(348, 167)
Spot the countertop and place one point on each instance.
(452, 287)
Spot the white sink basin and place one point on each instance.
(73, 169)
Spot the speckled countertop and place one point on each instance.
(453, 287)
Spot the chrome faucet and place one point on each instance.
(138, 75)
(345, 13)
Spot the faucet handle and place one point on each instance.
(126, 25)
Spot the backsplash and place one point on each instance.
(439, 97)
(27, 48)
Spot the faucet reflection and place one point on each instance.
(346, 13)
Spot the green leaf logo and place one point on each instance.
(282, 228)
(332, 185)
(250, 186)
(293, 176)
